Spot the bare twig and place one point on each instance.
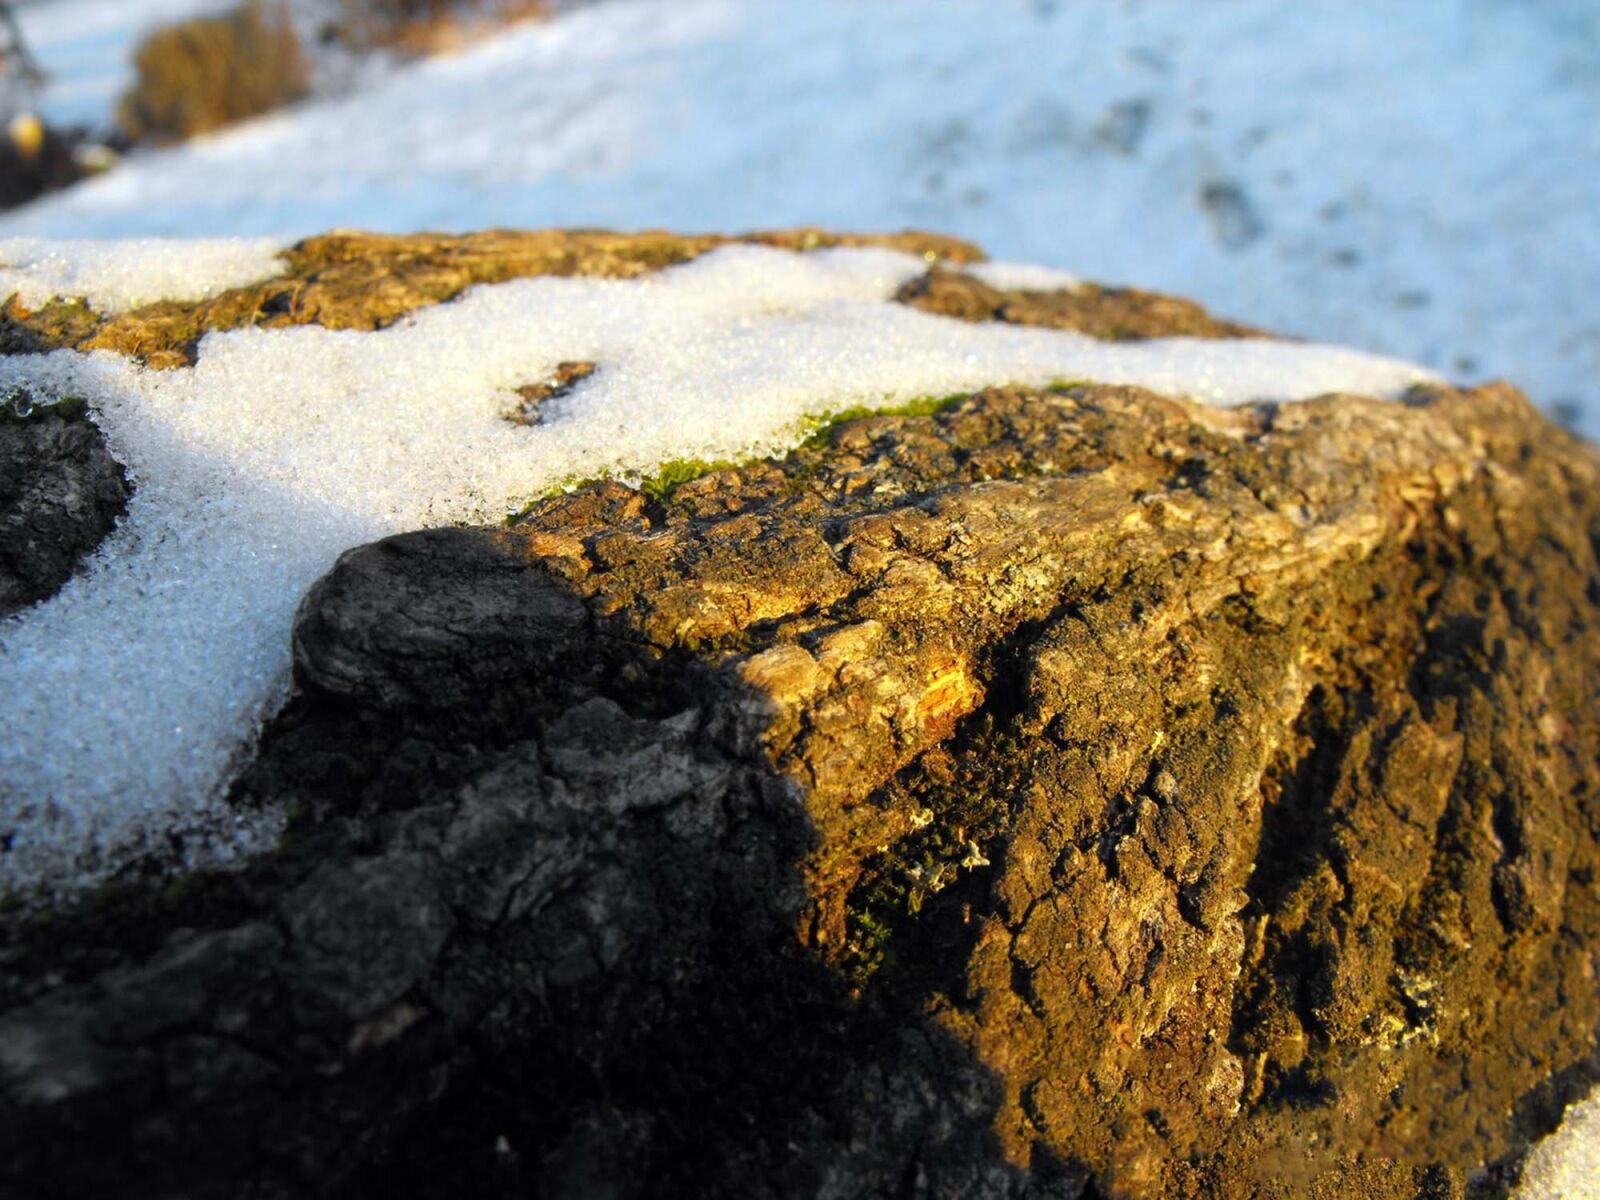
(14, 52)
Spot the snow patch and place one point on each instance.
(1023, 277)
(114, 276)
(132, 694)
(1566, 1165)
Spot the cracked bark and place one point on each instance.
(1070, 793)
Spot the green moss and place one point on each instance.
(674, 474)
(58, 323)
(19, 404)
(128, 917)
(1067, 385)
(815, 431)
(869, 935)
(812, 433)
(963, 804)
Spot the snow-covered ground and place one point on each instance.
(1419, 179)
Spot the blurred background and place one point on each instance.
(1421, 179)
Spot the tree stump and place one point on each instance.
(1069, 792)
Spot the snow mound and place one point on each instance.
(132, 694)
(114, 276)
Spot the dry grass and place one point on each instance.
(207, 73)
(423, 27)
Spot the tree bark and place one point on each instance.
(1069, 793)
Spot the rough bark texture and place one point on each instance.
(1077, 793)
(61, 492)
(1115, 314)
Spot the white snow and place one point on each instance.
(1023, 276)
(114, 276)
(1415, 179)
(131, 694)
(1566, 1165)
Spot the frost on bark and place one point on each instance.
(1069, 793)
